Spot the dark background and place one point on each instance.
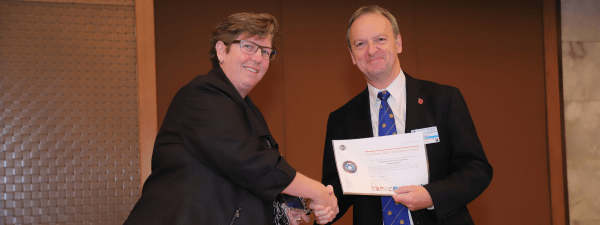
(492, 50)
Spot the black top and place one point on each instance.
(214, 160)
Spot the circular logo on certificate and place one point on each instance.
(349, 167)
(342, 147)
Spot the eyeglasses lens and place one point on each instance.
(251, 48)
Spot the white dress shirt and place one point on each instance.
(397, 102)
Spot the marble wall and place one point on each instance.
(581, 85)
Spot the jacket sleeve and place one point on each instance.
(222, 132)
(469, 172)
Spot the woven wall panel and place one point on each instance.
(69, 142)
(100, 2)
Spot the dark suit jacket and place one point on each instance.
(214, 160)
(458, 168)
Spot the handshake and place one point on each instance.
(324, 207)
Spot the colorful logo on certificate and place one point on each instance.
(349, 167)
(342, 147)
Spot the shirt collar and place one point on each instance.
(395, 88)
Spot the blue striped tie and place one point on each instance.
(393, 213)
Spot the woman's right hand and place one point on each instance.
(326, 207)
(324, 202)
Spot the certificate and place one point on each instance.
(379, 165)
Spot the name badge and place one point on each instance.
(430, 134)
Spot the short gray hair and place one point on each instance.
(370, 10)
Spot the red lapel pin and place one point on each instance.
(420, 101)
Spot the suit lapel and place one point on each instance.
(363, 112)
(415, 103)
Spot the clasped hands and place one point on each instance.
(325, 210)
(413, 197)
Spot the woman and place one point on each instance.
(214, 159)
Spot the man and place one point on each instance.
(458, 168)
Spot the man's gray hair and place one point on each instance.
(369, 10)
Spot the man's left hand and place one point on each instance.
(413, 197)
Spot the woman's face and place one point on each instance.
(244, 70)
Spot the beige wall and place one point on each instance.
(581, 75)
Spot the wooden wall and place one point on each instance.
(492, 50)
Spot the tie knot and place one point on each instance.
(383, 95)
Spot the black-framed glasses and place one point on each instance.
(251, 48)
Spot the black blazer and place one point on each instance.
(458, 168)
(214, 160)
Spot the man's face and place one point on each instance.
(374, 49)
